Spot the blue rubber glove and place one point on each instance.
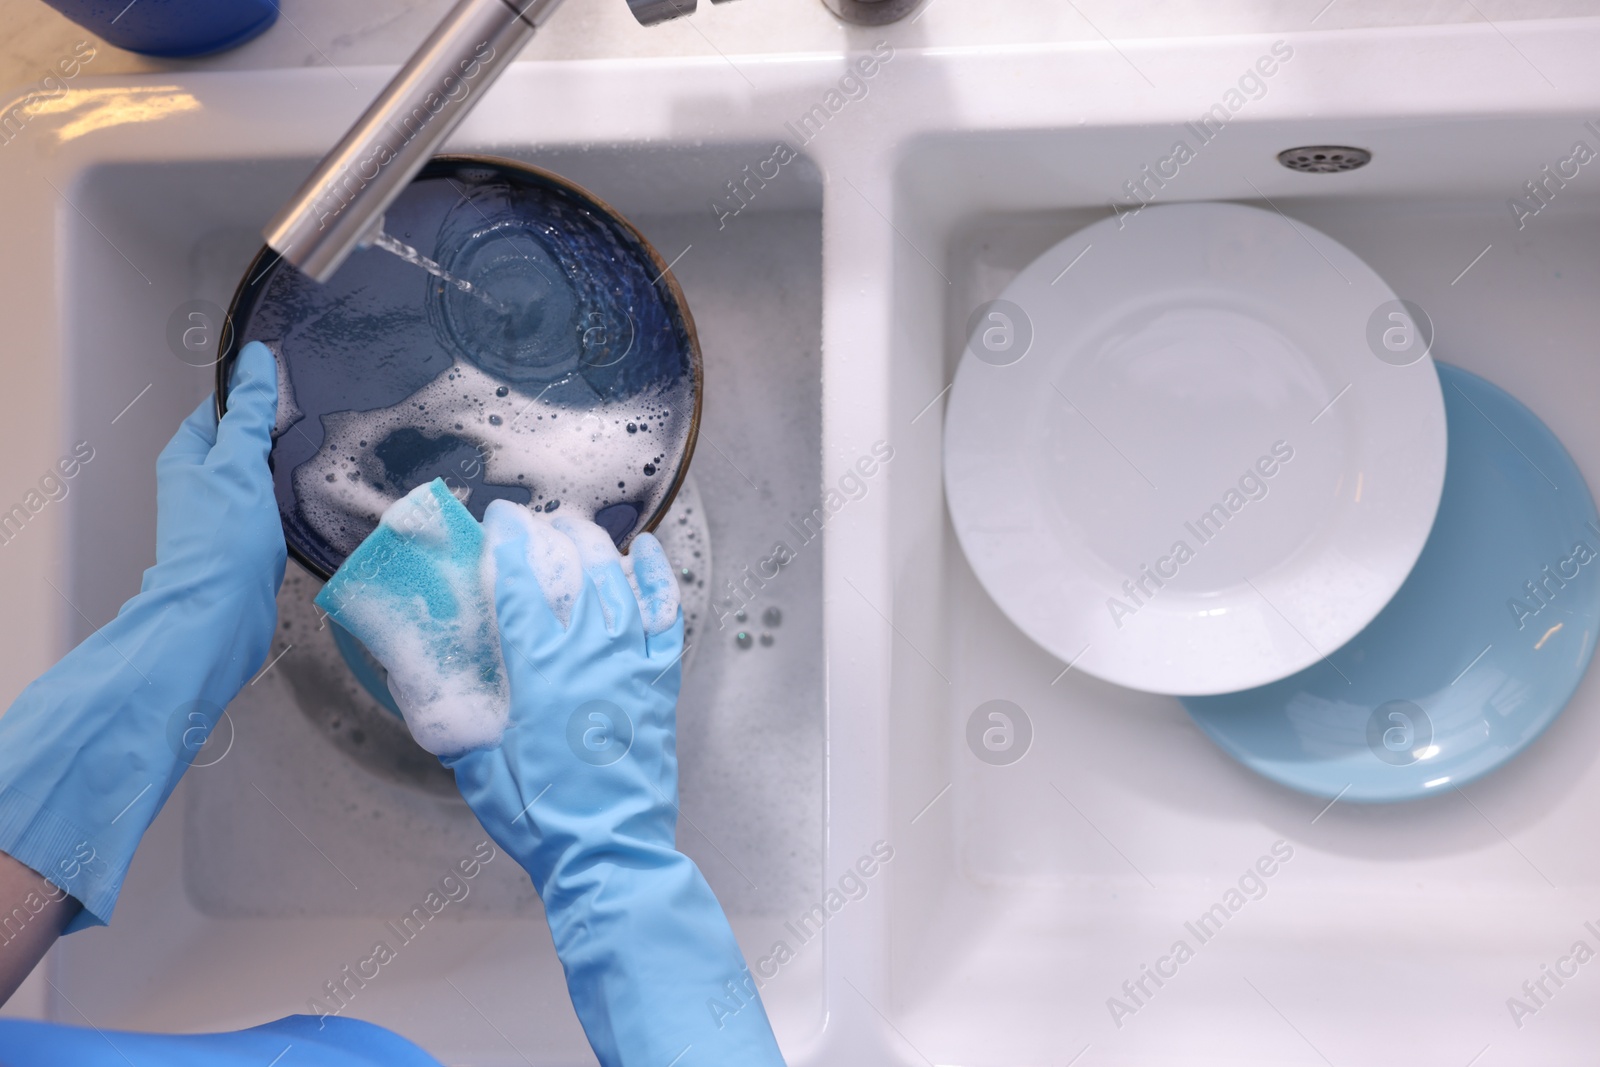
(297, 1041)
(583, 790)
(91, 750)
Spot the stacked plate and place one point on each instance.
(1210, 455)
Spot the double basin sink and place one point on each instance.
(901, 899)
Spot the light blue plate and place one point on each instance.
(1476, 654)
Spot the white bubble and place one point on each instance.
(597, 554)
(551, 555)
(654, 584)
(570, 459)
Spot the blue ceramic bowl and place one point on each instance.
(567, 377)
(1476, 654)
(172, 28)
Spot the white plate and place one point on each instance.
(1194, 360)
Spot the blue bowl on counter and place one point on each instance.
(173, 29)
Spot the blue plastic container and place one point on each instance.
(171, 28)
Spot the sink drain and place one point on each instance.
(1324, 159)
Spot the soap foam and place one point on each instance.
(551, 556)
(563, 552)
(289, 412)
(414, 594)
(654, 584)
(596, 552)
(566, 457)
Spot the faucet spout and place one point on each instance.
(340, 207)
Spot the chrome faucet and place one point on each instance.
(650, 12)
(340, 207)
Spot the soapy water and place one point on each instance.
(552, 557)
(594, 549)
(419, 594)
(565, 552)
(585, 458)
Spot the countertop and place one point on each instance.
(383, 32)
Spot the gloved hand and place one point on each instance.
(92, 749)
(583, 792)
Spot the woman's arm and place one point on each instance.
(88, 752)
(33, 912)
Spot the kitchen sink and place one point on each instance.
(280, 849)
(1016, 907)
(1032, 891)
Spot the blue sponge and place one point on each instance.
(419, 593)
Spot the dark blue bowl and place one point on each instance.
(394, 377)
(172, 28)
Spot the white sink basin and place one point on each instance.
(1019, 898)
